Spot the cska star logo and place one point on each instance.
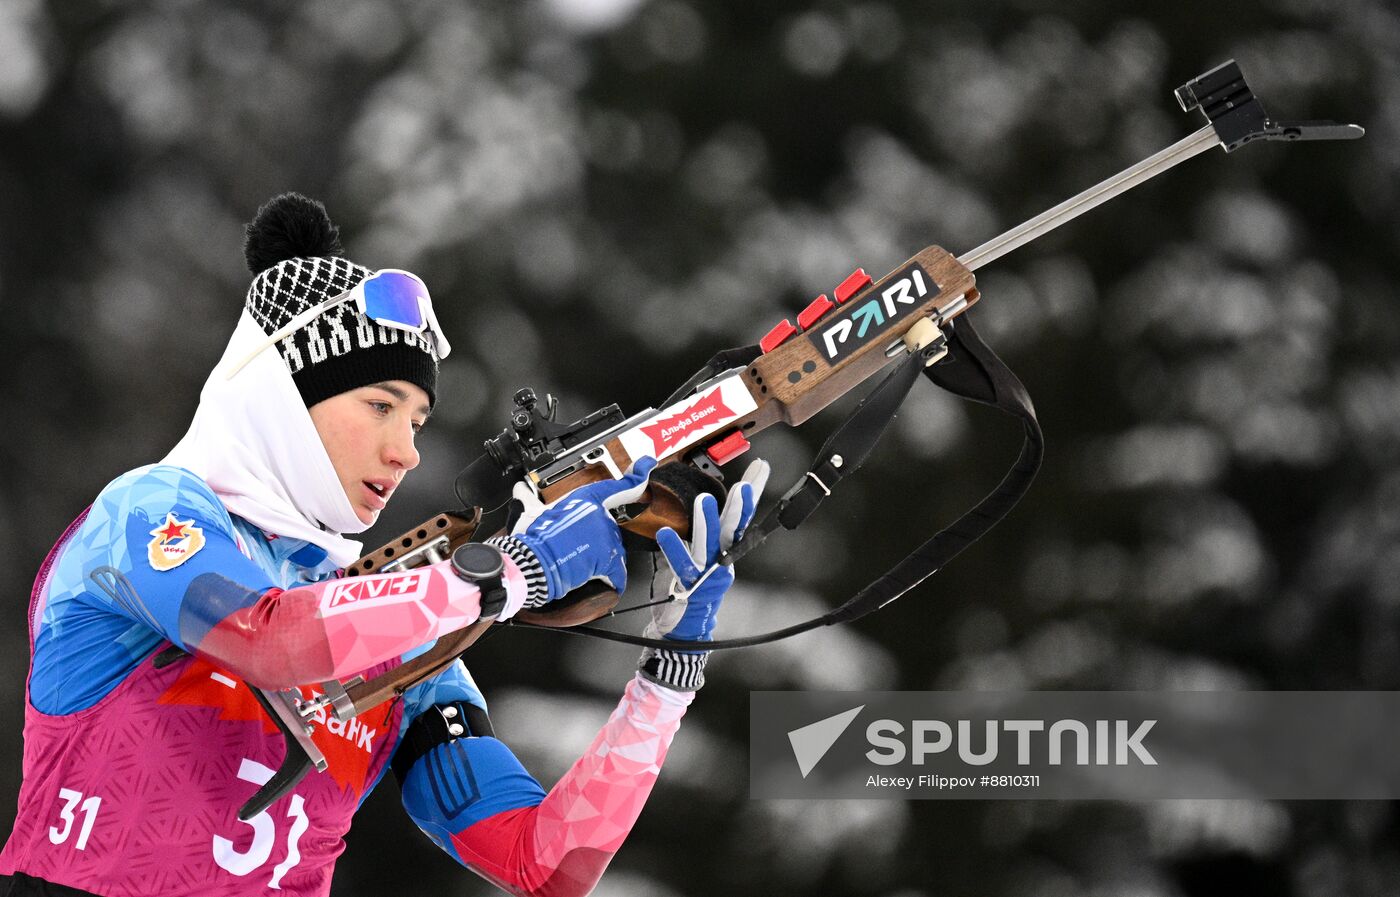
(174, 542)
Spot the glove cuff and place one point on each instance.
(676, 670)
(537, 584)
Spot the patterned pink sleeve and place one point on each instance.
(561, 847)
(339, 627)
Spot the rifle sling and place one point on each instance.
(841, 455)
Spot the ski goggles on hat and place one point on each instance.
(389, 297)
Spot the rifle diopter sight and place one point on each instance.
(534, 440)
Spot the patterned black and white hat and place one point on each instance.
(294, 250)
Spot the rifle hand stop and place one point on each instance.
(926, 337)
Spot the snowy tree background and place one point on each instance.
(602, 192)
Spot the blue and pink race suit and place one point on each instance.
(133, 774)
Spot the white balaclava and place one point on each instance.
(252, 439)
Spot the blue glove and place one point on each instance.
(700, 583)
(575, 538)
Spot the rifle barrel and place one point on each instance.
(1102, 192)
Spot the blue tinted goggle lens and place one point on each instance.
(390, 296)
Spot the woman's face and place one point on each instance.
(368, 434)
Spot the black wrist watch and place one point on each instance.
(482, 566)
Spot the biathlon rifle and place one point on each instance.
(904, 321)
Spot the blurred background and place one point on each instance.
(603, 192)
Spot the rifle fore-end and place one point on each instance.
(802, 377)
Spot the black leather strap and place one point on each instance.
(439, 724)
(842, 455)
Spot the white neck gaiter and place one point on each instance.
(253, 442)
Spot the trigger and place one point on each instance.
(624, 513)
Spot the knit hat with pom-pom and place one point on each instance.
(294, 250)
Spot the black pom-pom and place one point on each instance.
(289, 226)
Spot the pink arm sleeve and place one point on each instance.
(561, 847)
(336, 628)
